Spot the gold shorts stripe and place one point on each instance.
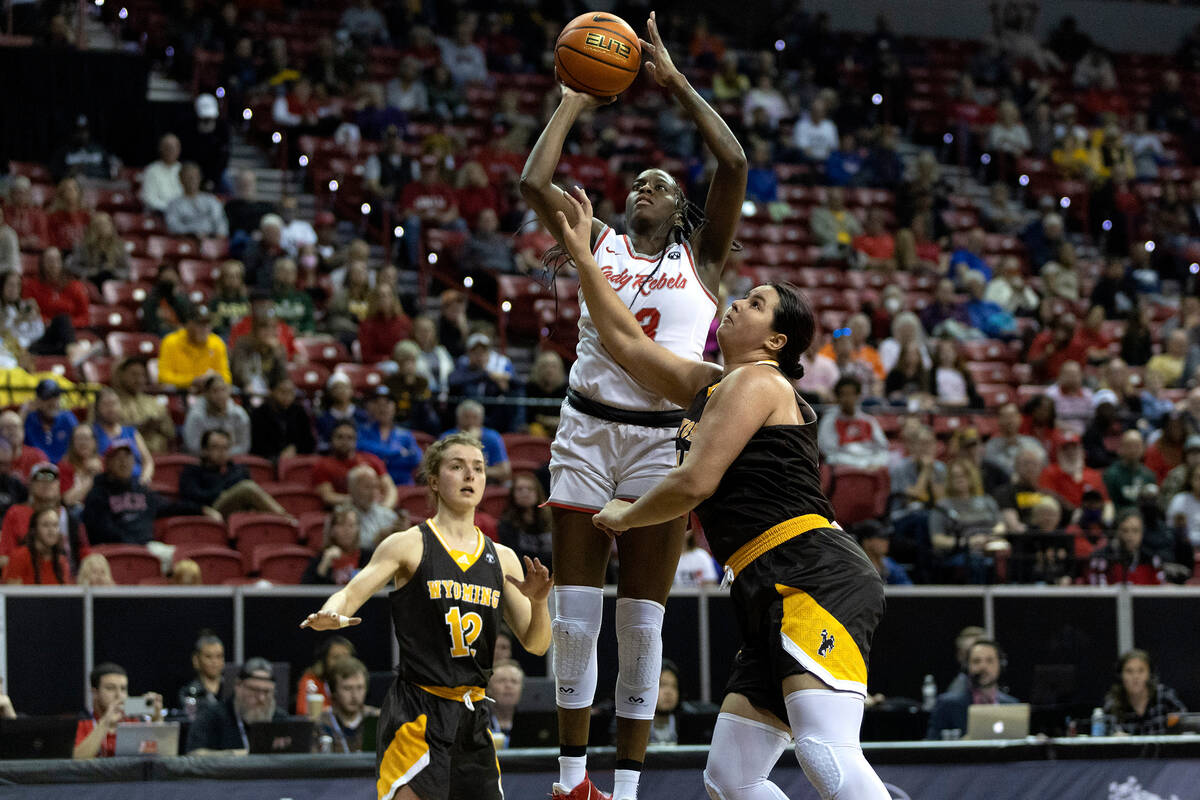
(824, 646)
(406, 755)
(773, 537)
(455, 693)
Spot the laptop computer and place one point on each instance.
(1010, 721)
(147, 738)
(37, 737)
(291, 735)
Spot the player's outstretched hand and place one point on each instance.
(576, 229)
(329, 621)
(537, 583)
(609, 519)
(658, 64)
(587, 100)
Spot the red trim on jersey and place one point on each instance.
(688, 249)
(629, 249)
(568, 507)
(607, 230)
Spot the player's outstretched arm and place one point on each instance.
(524, 599)
(400, 553)
(727, 191)
(674, 377)
(537, 178)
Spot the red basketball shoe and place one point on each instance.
(584, 791)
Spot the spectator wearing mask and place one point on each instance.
(208, 665)
(330, 476)
(190, 355)
(219, 728)
(219, 486)
(343, 720)
(160, 180)
(984, 660)
(47, 426)
(281, 427)
(96, 735)
(341, 557)
(848, 436)
(195, 212)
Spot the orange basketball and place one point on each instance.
(597, 53)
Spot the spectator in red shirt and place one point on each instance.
(41, 560)
(1125, 560)
(1166, 452)
(97, 734)
(68, 218)
(329, 476)
(476, 193)
(25, 216)
(385, 324)
(875, 245)
(45, 492)
(1069, 478)
(24, 456)
(262, 307)
(1056, 346)
(849, 436)
(428, 203)
(57, 293)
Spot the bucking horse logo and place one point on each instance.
(826, 644)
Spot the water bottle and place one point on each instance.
(189, 707)
(928, 693)
(325, 743)
(1098, 726)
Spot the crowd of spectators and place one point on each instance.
(1022, 272)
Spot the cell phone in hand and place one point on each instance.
(138, 707)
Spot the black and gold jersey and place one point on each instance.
(776, 477)
(447, 615)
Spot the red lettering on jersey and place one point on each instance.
(645, 282)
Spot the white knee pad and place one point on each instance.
(825, 725)
(639, 655)
(742, 754)
(578, 611)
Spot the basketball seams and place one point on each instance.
(591, 57)
(578, 83)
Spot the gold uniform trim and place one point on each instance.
(816, 639)
(406, 755)
(773, 537)
(455, 693)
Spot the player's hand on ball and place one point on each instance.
(576, 229)
(610, 518)
(329, 621)
(537, 583)
(658, 64)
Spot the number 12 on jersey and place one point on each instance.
(648, 318)
(464, 630)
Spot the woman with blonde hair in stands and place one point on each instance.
(965, 527)
(383, 326)
(94, 569)
(102, 255)
(68, 216)
(186, 572)
(906, 329)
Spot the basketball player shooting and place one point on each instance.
(616, 437)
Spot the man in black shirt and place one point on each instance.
(219, 486)
(220, 728)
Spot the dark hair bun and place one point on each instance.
(795, 372)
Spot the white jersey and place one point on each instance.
(674, 308)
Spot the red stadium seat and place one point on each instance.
(217, 564)
(995, 395)
(321, 350)
(415, 500)
(195, 272)
(312, 528)
(859, 495)
(297, 500)
(987, 350)
(424, 439)
(308, 378)
(523, 447)
(281, 563)
(363, 377)
(989, 372)
(495, 501)
(129, 563)
(195, 531)
(111, 318)
(126, 295)
(169, 466)
(59, 365)
(252, 530)
(297, 469)
(128, 343)
(261, 470)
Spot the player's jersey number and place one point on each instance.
(648, 318)
(464, 630)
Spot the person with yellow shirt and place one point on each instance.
(192, 352)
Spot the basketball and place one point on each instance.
(597, 53)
